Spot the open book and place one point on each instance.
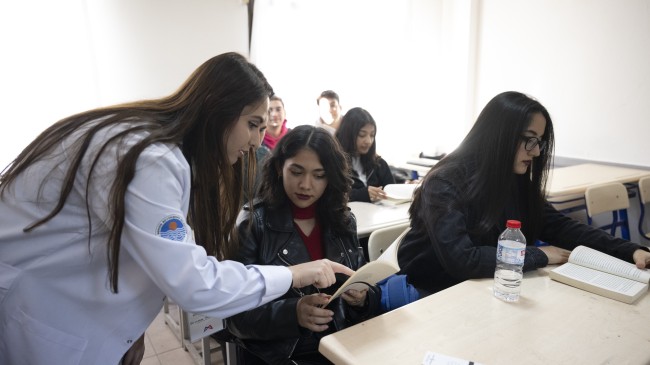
(368, 274)
(602, 274)
(398, 193)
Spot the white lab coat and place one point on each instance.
(56, 306)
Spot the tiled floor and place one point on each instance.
(162, 347)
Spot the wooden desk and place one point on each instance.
(552, 323)
(374, 216)
(418, 164)
(574, 180)
(566, 186)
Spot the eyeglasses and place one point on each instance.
(531, 142)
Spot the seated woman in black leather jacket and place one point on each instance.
(370, 172)
(497, 173)
(301, 216)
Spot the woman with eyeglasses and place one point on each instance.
(497, 173)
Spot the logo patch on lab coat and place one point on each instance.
(172, 228)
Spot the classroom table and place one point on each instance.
(574, 180)
(553, 323)
(372, 216)
(566, 186)
(419, 165)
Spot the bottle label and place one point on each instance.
(511, 252)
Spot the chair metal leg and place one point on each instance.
(642, 233)
(625, 226)
(614, 225)
(231, 353)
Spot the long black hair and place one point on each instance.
(198, 117)
(331, 208)
(348, 131)
(489, 149)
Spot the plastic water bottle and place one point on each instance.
(511, 251)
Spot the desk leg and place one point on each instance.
(171, 321)
(200, 357)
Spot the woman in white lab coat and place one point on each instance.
(101, 212)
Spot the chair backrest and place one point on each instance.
(606, 198)
(644, 190)
(390, 253)
(380, 239)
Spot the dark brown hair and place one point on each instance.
(351, 124)
(331, 208)
(198, 118)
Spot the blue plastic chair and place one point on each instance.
(612, 198)
(644, 198)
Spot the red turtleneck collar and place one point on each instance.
(303, 213)
(270, 141)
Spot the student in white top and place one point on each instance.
(370, 172)
(100, 214)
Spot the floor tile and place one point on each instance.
(162, 346)
(153, 360)
(148, 347)
(176, 357)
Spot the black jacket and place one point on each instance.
(437, 256)
(271, 331)
(378, 176)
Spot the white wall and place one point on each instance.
(399, 60)
(423, 68)
(587, 61)
(63, 57)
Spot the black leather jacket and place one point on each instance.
(435, 256)
(379, 176)
(271, 331)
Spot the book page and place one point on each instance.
(601, 279)
(399, 193)
(368, 274)
(599, 282)
(393, 201)
(597, 260)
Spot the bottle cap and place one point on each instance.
(511, 223)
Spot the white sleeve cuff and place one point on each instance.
(277, 280)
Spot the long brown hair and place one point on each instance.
(198, 118)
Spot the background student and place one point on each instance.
(370, 173)
(302, 216)
(329, 110)
(277, 126)
(99, 215)
(498, 172)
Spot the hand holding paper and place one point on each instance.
(368, 274)
(319, 273)
(312, 315)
